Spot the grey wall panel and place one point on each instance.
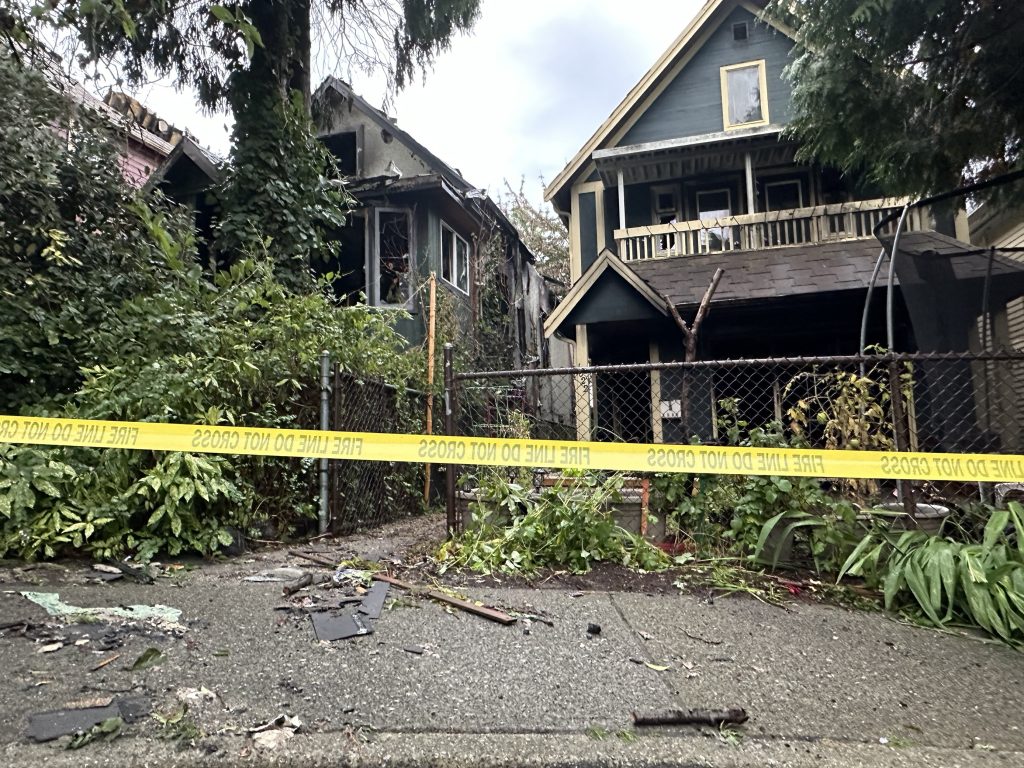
(588, 229)
(691, 105)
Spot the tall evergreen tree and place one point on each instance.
(253, 58)
(922, 95)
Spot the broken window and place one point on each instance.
(454, 259)
(712, 205)
(744, 98)
(394, 262)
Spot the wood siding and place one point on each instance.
(691, 104)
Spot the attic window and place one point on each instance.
(744, 95)
(739, 31)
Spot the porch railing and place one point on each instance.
(771, 229)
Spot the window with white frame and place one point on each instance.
(744, 95)
(454, 259)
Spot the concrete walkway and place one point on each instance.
(822, 686)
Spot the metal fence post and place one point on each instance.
(323, 519)
(450, 405)
(904, 488)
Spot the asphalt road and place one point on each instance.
(822, 686)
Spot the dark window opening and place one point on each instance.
(739, 31)
(345, 148)
(393, 251)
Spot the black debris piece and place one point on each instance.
(47, 726)
(373, 601)
(417, 650)
(340, 626)
(593, 629)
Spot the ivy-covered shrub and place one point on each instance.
(105, 314)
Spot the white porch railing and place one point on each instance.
(755, 231)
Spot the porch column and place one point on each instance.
(622, 201)
(657, 434)
(748, 165)
(751, 198)
(582, 385)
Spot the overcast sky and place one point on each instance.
(516, 97)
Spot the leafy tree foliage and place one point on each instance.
(105, 314)
(923, 95)
(253, 57)
(72, 241)
(541, 230)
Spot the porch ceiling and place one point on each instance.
(692, 156)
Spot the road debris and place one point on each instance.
(416, 650)
(651, 665)
(593, 629)
(283, 573)
(314, 558)
(47, 726)
(162, 617)
(105, 662)
(106, 731)
(704, 640)
(479, 610)
(276, 732)
(373, 601)
(713, 717)
(332, 626)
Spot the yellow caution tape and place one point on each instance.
(489, 451)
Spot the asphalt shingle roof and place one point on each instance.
(779, 272)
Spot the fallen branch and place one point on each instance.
(713, 717)
(108, 660)
(702, 639)
(314, 559)
(306, 580)
(464, 605)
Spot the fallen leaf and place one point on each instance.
(656, 667)
(50, 648)
(149, 658)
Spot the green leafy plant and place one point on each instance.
(947, 583)
(106, 314)
(567, 526)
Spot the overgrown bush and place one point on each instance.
(105, 314)
(568, 526)
(754, 516)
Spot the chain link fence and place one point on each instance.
(949, 403)
(367, 494)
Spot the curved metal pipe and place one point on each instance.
(890, 334)
(867, 302)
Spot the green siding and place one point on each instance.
(610, 299)
(691, 105)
